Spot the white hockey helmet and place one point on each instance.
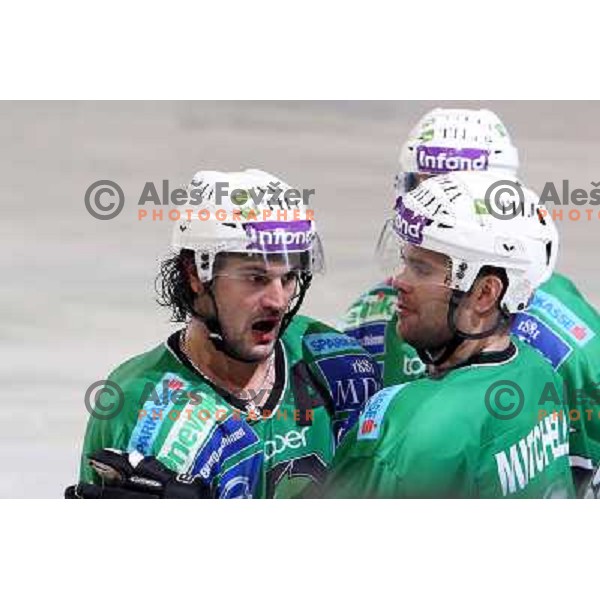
(247, 212)
(452, 139)
(450, 214)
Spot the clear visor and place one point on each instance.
(292, 245)
(401, 260)
(257, 273)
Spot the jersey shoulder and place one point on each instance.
(312, 340)
(139, 364)
(155, 367)
(560, 303)
(335, 358)
(455, 410)
(560, 324)
(332, 365)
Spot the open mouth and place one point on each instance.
(264, 329)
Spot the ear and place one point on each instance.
(486, 294)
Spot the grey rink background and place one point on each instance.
(77, 293)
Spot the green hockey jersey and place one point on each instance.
(559, 323)
(444, 438)
(172, 412)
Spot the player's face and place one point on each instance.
(423, 297)
(252, 299)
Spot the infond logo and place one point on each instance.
(274, 237)
(431, 159)
(408, 225)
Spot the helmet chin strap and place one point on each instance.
(215, 331)
(458, 336)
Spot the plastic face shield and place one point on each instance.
(294, 244)
(399, 259)
(286, 251)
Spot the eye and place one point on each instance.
(289, 278)
(258, 279)
(420, 268)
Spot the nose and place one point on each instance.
(275, 296)
(400, 282)
(402, 287)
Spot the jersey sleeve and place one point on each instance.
(109, 426)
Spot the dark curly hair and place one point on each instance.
(173, 287)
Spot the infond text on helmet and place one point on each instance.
(105, 199)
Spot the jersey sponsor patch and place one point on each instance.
(321, 344)
(185, 438)
(352, 379)
(539, 336)
(369, 423)
(370, 337)
(230, 437)
(161, 399)
(293, 439)
(579, 331)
